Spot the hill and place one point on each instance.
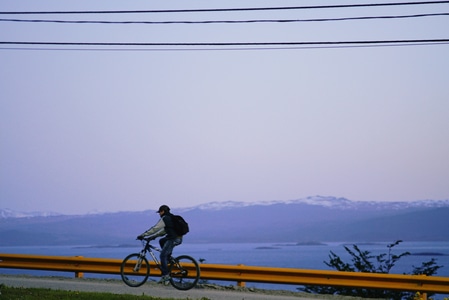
(325, 219)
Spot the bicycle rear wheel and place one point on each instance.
(184, 272)
(135, 270)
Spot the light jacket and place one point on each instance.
(163, 227)
(156, 230)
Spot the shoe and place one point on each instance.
(165, 280)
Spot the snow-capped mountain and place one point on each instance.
(317, 218)
(9, 213)
(329, 202)
(315, 200)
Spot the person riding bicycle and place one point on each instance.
(164, 227)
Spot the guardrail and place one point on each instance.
(240, 273)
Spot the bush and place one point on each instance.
(364, 261)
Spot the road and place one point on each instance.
(150, 288)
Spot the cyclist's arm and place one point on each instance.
(156, 230)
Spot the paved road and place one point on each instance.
(150, 288)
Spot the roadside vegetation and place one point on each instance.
(364, 261)
(13, 293)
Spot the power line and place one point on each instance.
(231, 21)
(219, 49)
(226, 9)
(221, 44)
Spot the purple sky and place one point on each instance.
(129, 130)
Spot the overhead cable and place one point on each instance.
(226, 9)
(366, 42)
(266, 48)
(230, 21)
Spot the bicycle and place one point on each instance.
(184, 270)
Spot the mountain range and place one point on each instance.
(311, 219)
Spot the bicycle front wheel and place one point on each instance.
(184, 272)
(135, 270)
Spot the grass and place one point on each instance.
(13, 293)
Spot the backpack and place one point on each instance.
(180, 226)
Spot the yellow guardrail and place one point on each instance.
(240, 273)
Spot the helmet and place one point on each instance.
(164, 208)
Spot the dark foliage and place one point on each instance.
(364, 261)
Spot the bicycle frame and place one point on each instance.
(149, 248)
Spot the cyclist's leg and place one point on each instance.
(162, 242)
(165, 253)
(178, 241)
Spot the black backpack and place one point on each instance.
(180, 226)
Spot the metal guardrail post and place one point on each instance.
(79, 274)
(241, 283)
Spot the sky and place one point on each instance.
(128, 128)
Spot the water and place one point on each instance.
(283, 255)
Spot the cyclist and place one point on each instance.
(164, 227)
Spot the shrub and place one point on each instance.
(364, 261)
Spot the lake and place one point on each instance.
(283, 255)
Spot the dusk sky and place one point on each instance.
(113, 128)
